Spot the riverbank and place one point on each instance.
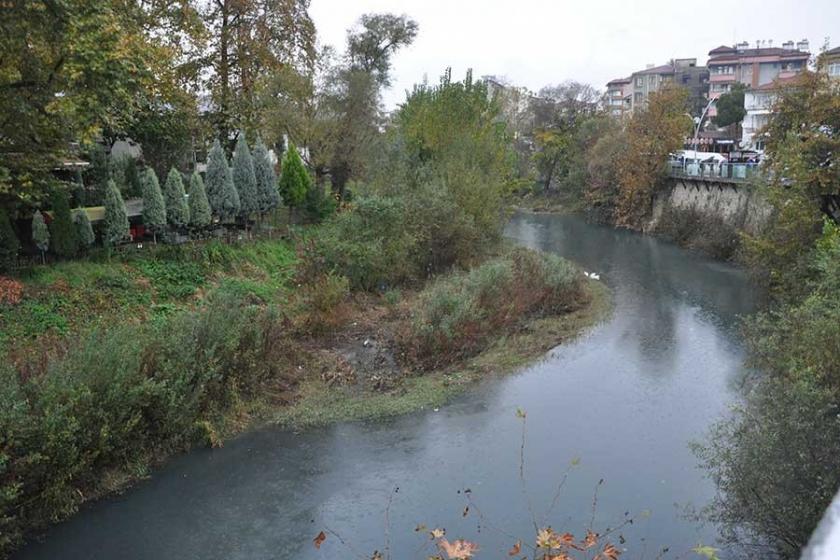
(112, 367)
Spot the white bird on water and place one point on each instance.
(592, 275)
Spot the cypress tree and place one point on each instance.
(97, 175)
(79, 189)
(268, 196)
(245, 179)
(177, 211)
(63, 234)
(116, 227)
(40, 233)
(154, 211)
(295, 182)
(9, 244)
(84, 231)
(200, 214)
(221, 193)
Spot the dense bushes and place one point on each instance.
(705, 232)
(119, 396)
(383, 241)
(457, 315)
(777, 462)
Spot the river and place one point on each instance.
(622, 402)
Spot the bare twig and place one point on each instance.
(595, 504)
(388, 523)
(523, 416)
(355, 552)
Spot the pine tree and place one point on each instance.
(40, 233)
(154, 211)
(9, 244)
(116, 227)
(63, 231)
(177, 211)
(295, 181)
(267, 194)
(245, 179)
(84, 231)
(200, 214)
(221, 193)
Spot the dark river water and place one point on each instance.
(625, 399)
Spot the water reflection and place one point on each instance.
(625, 399)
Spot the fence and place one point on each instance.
(726, 172)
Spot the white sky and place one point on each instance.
(538, 42)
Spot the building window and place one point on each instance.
(640, 81)
(637, 97)
(652, 80)
(834, 69)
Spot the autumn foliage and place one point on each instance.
(652, 133)
(11, 291)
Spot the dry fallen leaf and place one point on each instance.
(458, 550)
(319, 539)
(516, 549)
(610, 552)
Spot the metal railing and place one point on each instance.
(727, 172)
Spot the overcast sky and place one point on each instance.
(539, 42)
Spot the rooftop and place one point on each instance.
(664, 69)
(717, 56)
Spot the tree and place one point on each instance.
(268, 196)
(245, 179)
(116, 227)
(9, 244)
(40, 233)
(84, 230)
(154, 210)
(200, 213)
(295, 181)
(250, 39)
(730, 106)
(79, 68)
(221, 193)
(803, 143)
(177, 211)
(63, 234)
(652, 133)
(355, 96)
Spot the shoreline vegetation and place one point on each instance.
(194, 345)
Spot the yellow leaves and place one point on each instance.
(319, 539)
(708, 552)
(458, 550)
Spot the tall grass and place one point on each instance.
(458, 314)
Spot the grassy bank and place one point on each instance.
(134, 359)
(319, 404)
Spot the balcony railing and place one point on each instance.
(720, 172)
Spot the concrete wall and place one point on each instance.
(738, 205)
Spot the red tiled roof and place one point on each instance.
(778, 83)
(721, 49)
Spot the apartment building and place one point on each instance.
(754, 67)
(829, 62)
(758, 103)
(617, 100)
(683, 72)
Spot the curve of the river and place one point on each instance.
(626, 399)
